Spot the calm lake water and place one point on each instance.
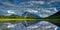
(38, 25)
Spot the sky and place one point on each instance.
(55, 3)
(21, 6)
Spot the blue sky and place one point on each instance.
(20, 6)
(17, 2)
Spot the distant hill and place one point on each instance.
(55, 16)
(14, 16)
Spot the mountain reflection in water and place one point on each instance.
(41, 25)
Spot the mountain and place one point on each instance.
(55, 16)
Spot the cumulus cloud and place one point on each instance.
(11, 12)
(31, 10)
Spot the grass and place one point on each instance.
(21, 20)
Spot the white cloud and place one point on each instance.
(46, 12)
(43, 15)
(38, 2)
(31, 11)
(11, 12)
(42, 2)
